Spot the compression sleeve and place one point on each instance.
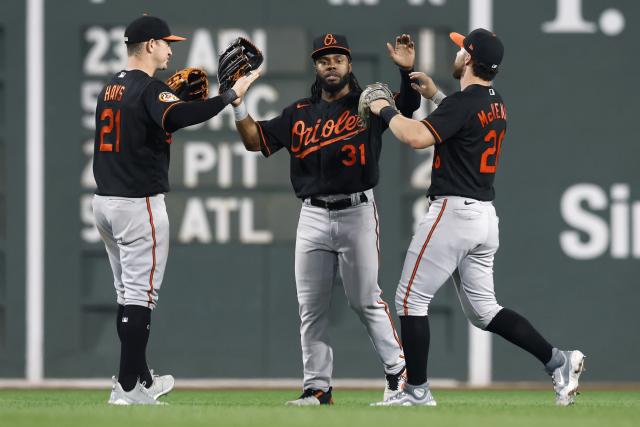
(407, 100)
(190, 113)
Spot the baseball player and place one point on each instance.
(460, 229)
(135, 116)
(333, 168)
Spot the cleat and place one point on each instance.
(137, 396)
(394, 383)
(410, 395)
(312, 397)
(565, 378)
(161, 385)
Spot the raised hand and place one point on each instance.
(241, 86)
(425, 86)
(404, 53)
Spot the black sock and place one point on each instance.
(144, 374)
(119, 321)
(134, 330)
(517, 330)
(415, 343)
(119, 330)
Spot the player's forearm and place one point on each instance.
(408, 100)
(190, 113)
(411, 132)
(249, 132)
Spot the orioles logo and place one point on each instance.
(307, 139)
(329, 40)
(168, 97)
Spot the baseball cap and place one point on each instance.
(149, 27)
(483, 46)
(330, 43)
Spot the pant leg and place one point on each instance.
(315, 270)
(476, 287)
(358, 249)
(433, 255)
(113, 251)
(141, 228)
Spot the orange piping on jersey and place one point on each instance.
(431, 128)
(263, 139)
(415, 267)
(153, 254)
(323, 144)
(167, 110)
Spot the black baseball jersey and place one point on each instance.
(331, 153)
(131, 149)
(469, 127)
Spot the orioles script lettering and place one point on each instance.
(306, 139)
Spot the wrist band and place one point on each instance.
(438, 97)
(388, 113)
(229, 96)
(240, 112)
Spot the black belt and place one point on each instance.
(337, 205)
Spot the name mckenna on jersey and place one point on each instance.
(498, 111)
(303, 135)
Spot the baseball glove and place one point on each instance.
(236, 61)
(372, 92)
(189, 84)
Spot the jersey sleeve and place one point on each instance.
(158, 100)
(450, 116)
(275, 133)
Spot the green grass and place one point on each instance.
(475, 408)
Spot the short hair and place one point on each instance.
(483, 71)
(134, 49)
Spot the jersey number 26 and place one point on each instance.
(494, 149)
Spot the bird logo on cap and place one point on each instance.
(329, 40)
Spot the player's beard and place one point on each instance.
(334, 87)
(458, 71)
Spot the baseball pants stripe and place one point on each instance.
(417, 263)
(153, 252)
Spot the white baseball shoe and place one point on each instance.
(137, 396)
(410, 395)
(565, 378)
(312, 397)
(394, 383)
(162, 385)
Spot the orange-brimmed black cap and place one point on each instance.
(483, 46)
(330, 43)
(149, 27)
